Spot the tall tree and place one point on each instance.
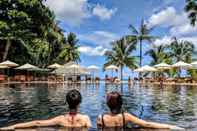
(181, 50)
(158, 55)
(140, 35)
(191, 9)
(28, 29)
(120, 55)
(70, 50)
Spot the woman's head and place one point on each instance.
(73, 99)
(114, 102)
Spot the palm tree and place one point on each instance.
(120, 55)
(191, 9)
(158, 55)
(140, 35)
(181, 50)
(70, 50)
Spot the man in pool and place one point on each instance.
(73, 119)
(118, 119)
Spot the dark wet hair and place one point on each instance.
(114, 102)
(73, 98)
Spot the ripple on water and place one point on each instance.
(173, 105)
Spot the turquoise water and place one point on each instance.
(24, 102)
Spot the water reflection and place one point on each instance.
(25, 102)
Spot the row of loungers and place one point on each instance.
(50, 78)
(170, 81)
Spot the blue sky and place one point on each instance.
(98, 22)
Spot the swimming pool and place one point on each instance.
(24, 102)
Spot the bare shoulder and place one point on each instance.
(128, 114)
(60, 117)
(86, 117)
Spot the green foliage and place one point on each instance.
(158, 55)
(29, 26)
(172, 53)
(120, 55)
(191, 9)
(140, 35)
(70, 50)
(181, 50)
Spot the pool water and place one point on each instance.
(173, 105)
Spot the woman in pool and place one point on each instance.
(73, 119)
(116, 118)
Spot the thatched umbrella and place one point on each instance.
(4, 67)
(55, 66)
(8, 63)
(28, 67)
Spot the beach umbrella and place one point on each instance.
(162, 66)
(27, 66)
(8, 63)
(194, 63)
(138, 70)
(146, 68)
(55, 66)
(112, 68)
(74, 68)
(182, 64)
(4, 67)
(93, 69)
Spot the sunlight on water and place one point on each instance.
(174, 105)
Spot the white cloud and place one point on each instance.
(178, 23)
(183, 29)
(72, 12)
(93, 51)
(103, 13)
(168, 39)
(100, 38)
(163, 41)
(167, 17)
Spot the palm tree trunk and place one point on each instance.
(140, 57)
(121, 78)
(140, 53)
(121, 73)
(7, 47)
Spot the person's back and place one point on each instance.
(111, 120)
(72, 119)
(118, 119)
